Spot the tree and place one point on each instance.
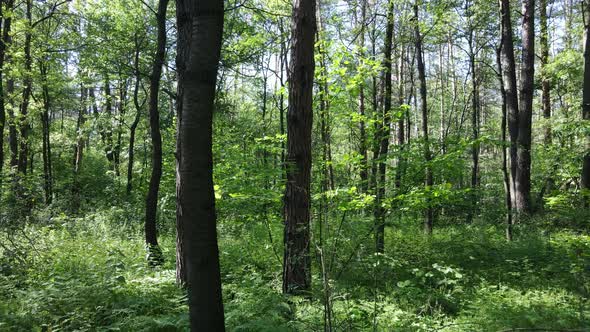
(361, 111)
(138, 42)
(523, 167)
(200, 26)
(297, 199)
(546, 86)
(508, 67)
(475, 111)
(151, 203)
(25, 126)
(428, 181)
(383, 134)
(47, 166)
(505, 171)
(586, 96)
(5, 24)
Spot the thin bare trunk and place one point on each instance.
(155, 256)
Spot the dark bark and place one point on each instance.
(108, 130)
(586, 98)
(47, 167)
(12, 129)
(429, 181)
(5, 24)
(546, 84)
(510, 87)
(26, 95)
(297, 199)
(122, 108)
(138, 109)
(200, 25)
(151, 203)
(523, 168)
(384, 133)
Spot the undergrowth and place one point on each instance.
(90, 275)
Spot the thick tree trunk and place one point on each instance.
(151, 203)
(384, 131)
(586, 99)
(523, 168)
(510, 87)
(429, 181)
(200, 25)
(297, 200)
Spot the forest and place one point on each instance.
(294, 165)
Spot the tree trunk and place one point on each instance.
(200, 25)
(283, 69)
(122, 108)
(325, 111)
(47, 167)
(108, 131)
(12, 130)
(510, 87)
(135, 123)
(586, 100)
(523, 168)
(151, 203)
(4, 33)
(401, 135)
(24, 108)
(475, 111)
(429, 213)
(384, 132)
(362, 124)
(79, 150)
(505, 172)
(297, 200)
(546, 88)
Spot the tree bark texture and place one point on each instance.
(200, 26)
(297, 199)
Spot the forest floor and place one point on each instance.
(91, 275)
